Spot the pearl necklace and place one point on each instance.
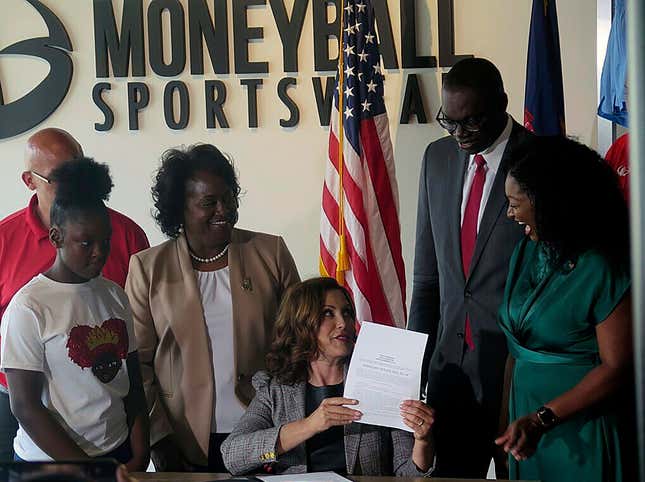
(208, 260)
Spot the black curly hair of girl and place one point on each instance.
(82, 186)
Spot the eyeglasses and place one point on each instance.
(470, 124)
(41, 177)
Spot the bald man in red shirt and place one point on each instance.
(25, 250)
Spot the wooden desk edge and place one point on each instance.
(202, 477)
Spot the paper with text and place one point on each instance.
(385, 370)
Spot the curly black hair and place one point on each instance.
(576, 197)
(82, 186)
(179, 165)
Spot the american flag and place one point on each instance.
(360, 238)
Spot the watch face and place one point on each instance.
(546, 416)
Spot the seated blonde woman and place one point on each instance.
(299, 421)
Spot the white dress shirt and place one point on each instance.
(215, 289)
(493, 157)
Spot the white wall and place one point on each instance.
(281, 170)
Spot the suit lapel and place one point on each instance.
(236, 275)
(294, 395)
(496, 199)
(192, 336)
(454, 196)
(248, 310)
(192, 321)
(236, 270)
(298, 393)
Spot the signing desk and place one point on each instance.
(181, 477)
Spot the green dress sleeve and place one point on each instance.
(610, 286)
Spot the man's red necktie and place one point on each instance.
(469, 230)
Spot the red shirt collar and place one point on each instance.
(33, 220)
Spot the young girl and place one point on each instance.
(68, 346)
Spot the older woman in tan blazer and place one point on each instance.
(204, 305)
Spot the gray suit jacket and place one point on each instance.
(442, 295)
(369, 450)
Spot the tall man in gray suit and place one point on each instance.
(463, 245)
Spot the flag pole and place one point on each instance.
(342, 263)
(636, 108)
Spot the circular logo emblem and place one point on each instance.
(33, 108)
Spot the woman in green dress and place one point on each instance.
(566, 314)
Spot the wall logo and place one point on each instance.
(30, 110)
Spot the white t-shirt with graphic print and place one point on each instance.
(78, 336)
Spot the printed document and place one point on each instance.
(385, 370)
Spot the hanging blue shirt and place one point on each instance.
(613, 83)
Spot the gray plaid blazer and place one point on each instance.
(251, 447)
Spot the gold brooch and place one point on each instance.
(246, 284)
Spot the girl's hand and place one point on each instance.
(122, 474)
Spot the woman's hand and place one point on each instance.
(419, 417)
(138, 462)
(521, 438)
(136, 410)
(331, 413)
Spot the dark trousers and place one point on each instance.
(465, 428)
(215, 461)
(464, 446)
(8, 428)
(123, 453)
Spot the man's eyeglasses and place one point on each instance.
(41, 177)
(470, 124)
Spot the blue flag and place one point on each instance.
(544, 97)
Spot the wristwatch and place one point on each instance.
(546, 417)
